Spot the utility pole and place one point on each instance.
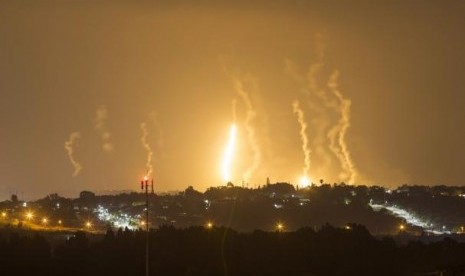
(145, 184)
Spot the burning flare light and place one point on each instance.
(228, 154)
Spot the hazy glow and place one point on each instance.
(228, 154)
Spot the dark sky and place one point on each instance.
(101, 68)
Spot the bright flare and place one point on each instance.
(228, 154)
(304, 181)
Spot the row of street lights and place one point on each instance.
(29, 216)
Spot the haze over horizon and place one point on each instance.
(89, 89)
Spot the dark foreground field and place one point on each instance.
(220, 251)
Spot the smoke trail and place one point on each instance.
(99, 124)
(251, 114)
(146, 145)
(69, 147)
(303, 136)
(316, 102)
(339, 131)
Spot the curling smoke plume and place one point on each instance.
(316, 103)
(69, 147)
(250, 116)
(337, 134)
(303, 136)
(147, 147)
(101, 117)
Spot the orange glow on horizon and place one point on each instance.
(304, 181)
(228, 155)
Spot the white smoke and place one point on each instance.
(250, 130)
(148, 148)
(339, 131)
(303, 136)
(101, 117)
(69, 147)
(330, 112)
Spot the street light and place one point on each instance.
(44, 220)
(88, 225)
(3, 214)
(279, 227)
(29, 215)
(209, 225)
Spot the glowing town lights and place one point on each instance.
(88, 224)
(409, 218)
(347, 227)
(117, 219)
(209, 225)
(228, 154)
(142, 223)
(60, 222)
(280, 227)
(3, 214)
(401, 227)
(304, 181)
(44, 220)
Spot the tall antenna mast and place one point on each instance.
(144, 184)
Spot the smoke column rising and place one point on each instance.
(250, 116)
(303, 136)
(316, 104)
(339, 131)
(69, 147)
(101, 117)
(147, 147)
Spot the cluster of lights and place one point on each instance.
(117, 220)
(409, 218)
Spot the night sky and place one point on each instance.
(100, 69)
